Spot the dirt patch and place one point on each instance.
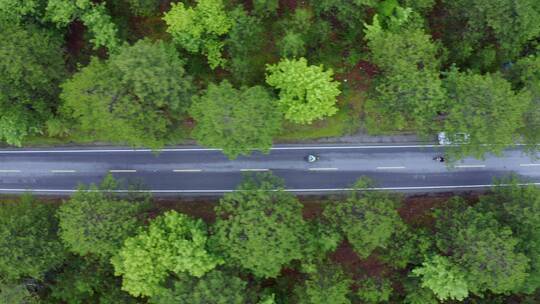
(360, 76)
(199, 208)
(357, 267)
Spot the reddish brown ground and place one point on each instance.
(359, 78)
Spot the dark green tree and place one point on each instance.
(137, 96)
(144, 7)
(408, 93)
(366, 220)
(484, 251)
(518, 207)
(528, 79)
(327, 285)
(83, 280)
(236, 121)
(173, 244)
(29, 246)
(245, 48)
(217, 287)
(512, 23)
(31, 65)
(259, 227)
(93, 222)
(373, 290)
(486, 108)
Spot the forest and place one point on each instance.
(242, 75)
(263, 245)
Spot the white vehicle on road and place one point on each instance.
(457, 139)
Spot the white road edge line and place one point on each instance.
(10, 171)
(470, 166)
(323, 169)
(288, 190)
(254, 170)
(63, 171)
(209, 149)
(187, 170)
(122, 171)
(529, 165)
(390, 168)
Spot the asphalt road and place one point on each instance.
(200, 171)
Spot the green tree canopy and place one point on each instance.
(528, 79)
(484, 250)
(306, 93)
(518, 207)
(485, 108)
(173, 244)
(216, 287)
(443, 278)
(367, 221)
(29, 246)
(236, 121)
(260, 226)
(245, 48)
(327, 285)
(31, 65)
(408, 92)
(374, 290)
(83, 280)
(94, 16)
(92, 222)
(512, 23)
(137, 96)
(198, 29)
(144, 7)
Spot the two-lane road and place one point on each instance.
(198, 170)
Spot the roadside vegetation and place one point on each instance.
(261, 244)
(241, 74)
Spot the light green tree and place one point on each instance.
(198, 29)
(367, 221)
(306, 93)
(173, 244)
(31, 65)
(92, 222)
(137, 96)
(259, 226)
(486, 109)
(236, 121)
(94, 16)
(446, 280)
(29, 246)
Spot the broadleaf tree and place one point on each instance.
(259, 226)
(137, 96)
(32, 66)
(174, 243)
(92, 222)
(29, 246)
(367, 221)
(199, 29)
(485, 109)
(306, 92)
